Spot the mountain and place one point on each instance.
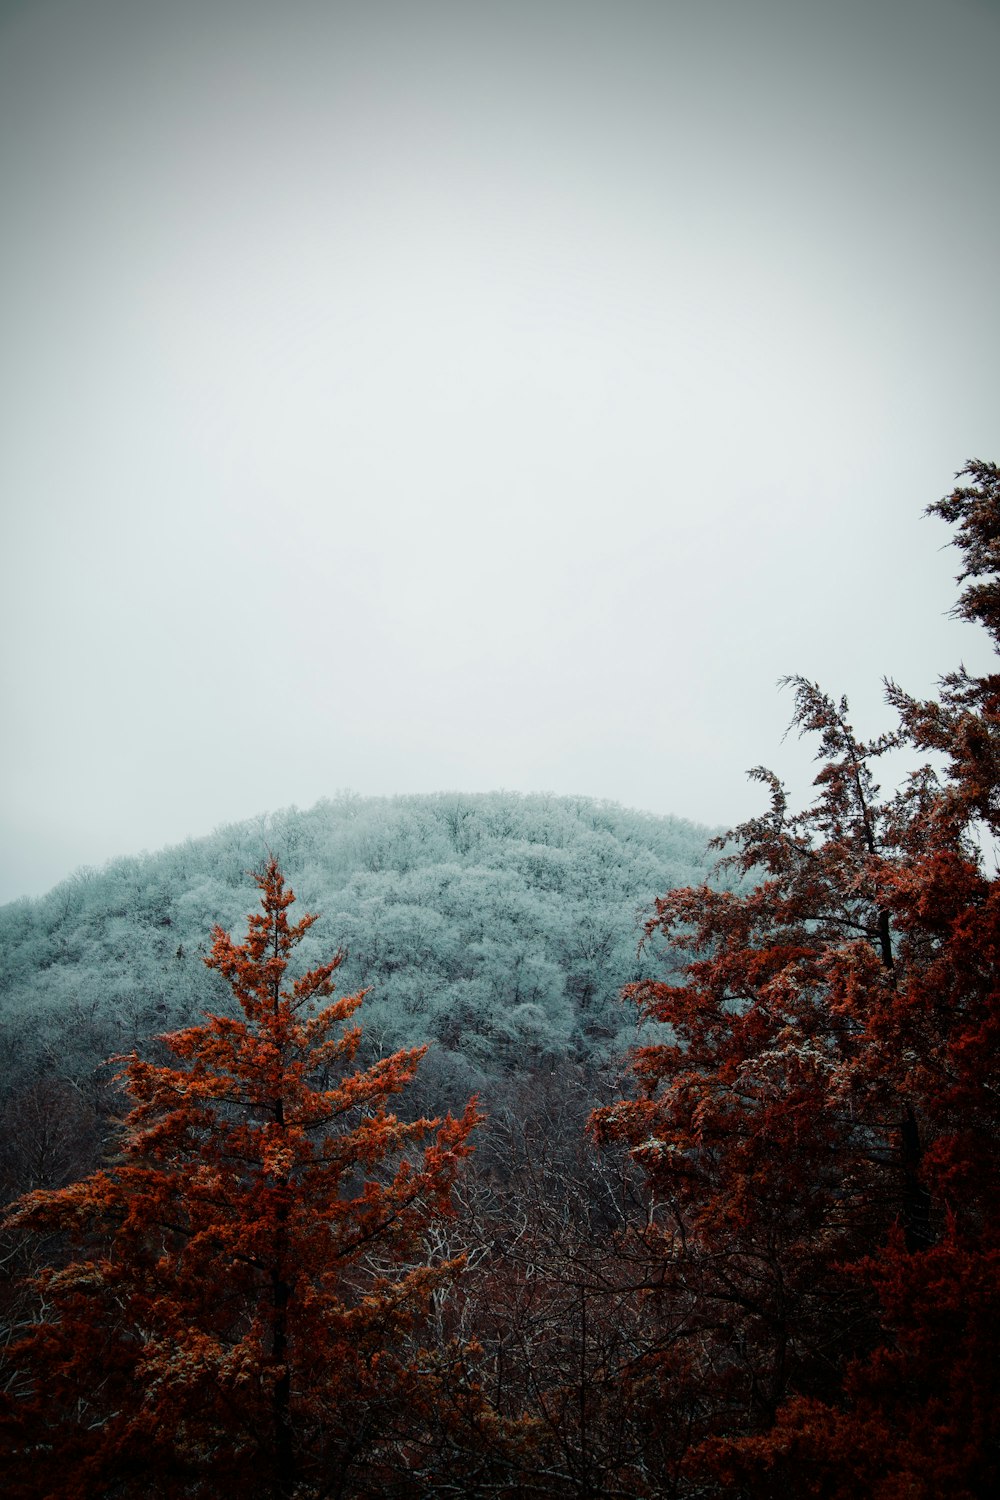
(499, 928)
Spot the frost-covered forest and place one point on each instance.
(499, 928)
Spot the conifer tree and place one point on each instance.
(241, 1310)
(820, 1124)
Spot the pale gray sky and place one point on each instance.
(442, 395)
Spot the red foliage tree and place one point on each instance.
(819, 1122)
(245, 1316)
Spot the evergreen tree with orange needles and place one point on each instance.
(242, 1308)
(818, 1114)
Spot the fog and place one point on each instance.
(409, 397)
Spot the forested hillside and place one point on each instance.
(499, 928)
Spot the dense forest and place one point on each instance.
(500, 928)
(433, 1214)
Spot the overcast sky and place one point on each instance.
(423, 396)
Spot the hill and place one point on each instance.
(500, 928)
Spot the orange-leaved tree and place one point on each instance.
(240, 1309)
(820, 1125)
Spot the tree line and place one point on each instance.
(765, 1268)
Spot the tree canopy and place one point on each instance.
(438, 902)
